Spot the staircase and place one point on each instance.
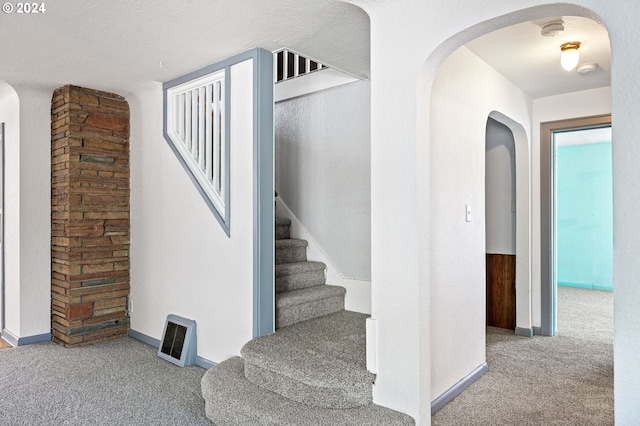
(312, 370)
(301, 292)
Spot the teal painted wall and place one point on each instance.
(585, 216)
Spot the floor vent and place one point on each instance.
(178, 344)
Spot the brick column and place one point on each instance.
(89, 216)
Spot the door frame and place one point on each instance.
(548, 286)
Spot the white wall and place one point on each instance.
(358, 292)
(10, 115)
(560, 107)
(27, 114)
(500, 189)
(465, 91)
(420, 35)
(181, 260)
(323, 173)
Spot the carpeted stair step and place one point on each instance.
(290, 250)
(283, 229)
(321, 362)
(231, 400)
(308, 303)
(298, 275)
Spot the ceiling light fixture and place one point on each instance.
(570, 56)
(552, 28)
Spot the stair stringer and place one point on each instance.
(358, 296)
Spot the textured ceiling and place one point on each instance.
(119, 45)
(532, 62)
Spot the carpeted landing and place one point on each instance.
(310, 373)
(312, 370)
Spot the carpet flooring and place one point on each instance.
(119, 382)
(564, 380)
(561, 380)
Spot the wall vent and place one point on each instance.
(178, 344)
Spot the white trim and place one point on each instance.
(309, 83)
(186, 105)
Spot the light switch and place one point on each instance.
(468, 212)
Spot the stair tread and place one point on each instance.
(298, 267)
(306, 295)
(282, 221)
(230, 399)
(328, 351)
(290, 242)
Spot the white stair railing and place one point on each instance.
(298, 75)
(196, 126)
(289, 64)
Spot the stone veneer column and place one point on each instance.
(89, 216)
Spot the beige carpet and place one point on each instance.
(562, 380)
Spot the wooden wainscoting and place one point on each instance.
(501, 290)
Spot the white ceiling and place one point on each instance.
(532, 62)
(118, 45)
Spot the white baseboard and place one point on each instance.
(358, 297)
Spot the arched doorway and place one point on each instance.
(453, 165)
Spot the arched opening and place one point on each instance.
(515, 236)
(463, 93)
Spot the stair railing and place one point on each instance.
(196, 126)
(289, 64)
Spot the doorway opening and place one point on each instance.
(576, 210)
(500, 225)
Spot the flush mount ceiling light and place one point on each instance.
(570, 56)
(552, 28)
